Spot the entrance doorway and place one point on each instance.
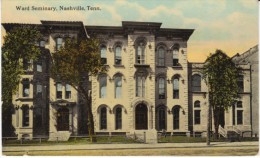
(141, 117)
(222, 117)
(161, 118)
(63, 119)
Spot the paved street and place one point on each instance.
(216, 148)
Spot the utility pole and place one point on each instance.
(209, 121)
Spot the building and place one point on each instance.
(150, 86)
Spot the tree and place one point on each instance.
(19, 44)
(74, 64)
(220, 75)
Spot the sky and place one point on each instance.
(229, 25)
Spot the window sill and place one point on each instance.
(160, 66)
(177, 67)
(119, 66)
(142, 65)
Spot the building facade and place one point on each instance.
(150, 86)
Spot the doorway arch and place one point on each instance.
(141, 117)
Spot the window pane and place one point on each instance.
(161, 88)
(39, 88)
(175, 54)
(196, 83)
(161, 57)
(103, 119)
(39, 67)
(240, 83)
(118, 84)
(176, 115)
(176, 83)
(42, 43)
(68, 91)
(26, 88)
(59, 90)
(25, 110)
(119, 118)
(197, 104)
(239, 104)
(103, 86)
(58, 43)
(118, 56)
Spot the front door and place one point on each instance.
(141, 117)
(63, 119)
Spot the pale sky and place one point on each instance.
(229, 25)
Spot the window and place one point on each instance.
(240, 83)
(27, 64)
(176, 117)
(118, 86)
(234, 114)
(197, 117)
(161, 88)
(239, 104)
(176, 87)
(118, 118)
(197, 104)
(103, 55)
(140, 85)
(161, 118)
(68, 91)
(175, 57)
(196, 83)
(140, 56)
(26, 88)
(103, 86)
(25, 111)
(58, 43)
(103, 118)
(39, 66)
(239, 117)
(42, 43)
(39, 90)
(59, 91)
(161, 56)
(118, 58)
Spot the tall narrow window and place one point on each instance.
(26, 88)
(103, 86)
(240, 83)
(118, 86)
(68, 91)
(39, 90)
(161, 118)
(58, 43)
(161, 56)
(25, 110)
(161, 88)
(176, 87)
(176, 117)
(239, 117)
(140, 53)
(39, 66)
(196, 83)
(197, 112)
(140, 85)
(175, 57)
(103, 118)
(59, 91)
(118, 118)
(103, 55)
(118, 57)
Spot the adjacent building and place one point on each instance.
(150, 86)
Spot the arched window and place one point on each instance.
(102, 86)
(118, 56)
(119, 118)
(161, 56)
(118, 87)
(197, 112)
(103, 118)
(140, 85)
(140, 53)
(58, 43)
(240, 83)
(176, 117)
(25, 110)
(26, 87)
(161, 88)
(196, 83)
(175, 56)
(103, 54)
(176, 87)
(161, 114)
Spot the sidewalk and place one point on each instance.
(126, 146)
